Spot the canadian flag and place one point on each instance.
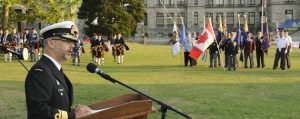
(204, 41)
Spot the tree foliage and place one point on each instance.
(6, 4)
(112, 15)
(48, 11)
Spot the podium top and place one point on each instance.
(122, 107)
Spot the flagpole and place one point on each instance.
(241, 52)
(239, 20)
(262, 16)
(218, 46)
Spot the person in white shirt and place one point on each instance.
(281, 45)
(289, 48)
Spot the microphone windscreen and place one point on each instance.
(91, 67)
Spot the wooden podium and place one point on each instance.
(128, 106)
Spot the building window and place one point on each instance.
(159, 2)
(179, 22)
(230, 2)
(170, 20)
(241, 17)
(219, 2)
(230, 18)
(290, 0)
(250, 2)
(220, 14)
(160, 19)
(167, 2)
(258, 2)
(288, 14)
(209, 2)
(145, 2)
(180, 2)
(196, 20)
(145, 19)
(240, 2)
(251, 18)
(196, 2)
(209, 15)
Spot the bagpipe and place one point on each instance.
(121, 47)
(100, 48)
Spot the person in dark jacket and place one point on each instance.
(120, 45)
(249, 47)
(259, 41)
(213, 52)
(48, 91)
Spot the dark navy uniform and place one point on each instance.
(260, 51)
(47, 91)
(120, 44)
(213, 51)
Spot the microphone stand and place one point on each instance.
(164, 107)
(14, 55)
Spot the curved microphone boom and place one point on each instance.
(10, 50)
(164, 107)
(14, 55)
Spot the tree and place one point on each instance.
(112, 15)
(48, 11)
(6, 4)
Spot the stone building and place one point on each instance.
(158, 25)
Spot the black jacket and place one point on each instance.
(47, 90)
(213, 48)
(121, 42)
(259, 45)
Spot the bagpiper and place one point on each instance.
(99, 47)
(120, 45)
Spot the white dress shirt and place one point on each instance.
(281, 42)
(58, 66)
(289, 40)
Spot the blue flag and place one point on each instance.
(184, 41)
(266, 36)
(204, 57)
(182, 36)
(243, 39)
(238, 38)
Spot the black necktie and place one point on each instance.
(61, 70)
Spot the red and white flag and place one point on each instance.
(204, 41)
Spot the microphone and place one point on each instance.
(10, 50)
(92, 68)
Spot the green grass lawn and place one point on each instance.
(200, 92)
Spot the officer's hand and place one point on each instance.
(285, 51)
(82, 110)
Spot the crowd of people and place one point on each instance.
(31, 41)
(116, 45)
(247, 46)
(17, 41)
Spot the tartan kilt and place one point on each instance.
(36, 45)
(120, 52)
